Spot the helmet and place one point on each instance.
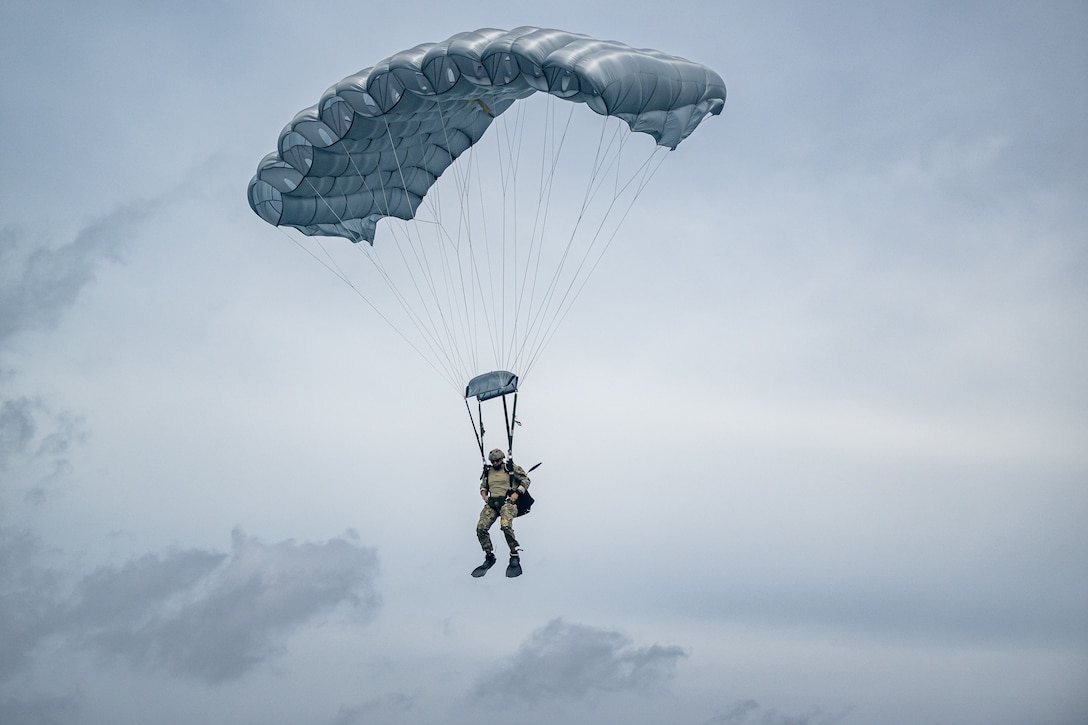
(496, 455)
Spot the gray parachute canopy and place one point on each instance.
(377, 140)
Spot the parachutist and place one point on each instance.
(502, 484)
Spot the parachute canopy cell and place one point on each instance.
(491, 385)
(377, 140)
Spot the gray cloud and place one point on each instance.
(377, 709)
(28, 596)
(17, 428)
(213, 616)
(749, 712)
(562, 660)
(43, 710)
(194, 613)
(39, 282)
(34, 445)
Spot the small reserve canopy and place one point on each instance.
(491, 385)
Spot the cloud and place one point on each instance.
(199, 614)
(38, 282)
(17, 428)
(41, 710)
(34, 444)
(377, 709)
(213, 616)
(563, 660)
(28, 596)
(749, 712)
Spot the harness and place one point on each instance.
(524, 501)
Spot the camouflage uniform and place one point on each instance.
(497, 484)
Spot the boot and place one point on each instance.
(489, 561)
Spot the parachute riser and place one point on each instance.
(495, 384)
(510, 416)
(511, 421)
(479, 431)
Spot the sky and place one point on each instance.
(814, 438)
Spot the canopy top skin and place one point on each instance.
(377, 141)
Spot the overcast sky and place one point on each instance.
(815, 437)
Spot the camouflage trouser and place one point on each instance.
(505, 515)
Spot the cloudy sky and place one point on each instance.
(815, 438)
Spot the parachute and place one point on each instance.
(479, 295)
